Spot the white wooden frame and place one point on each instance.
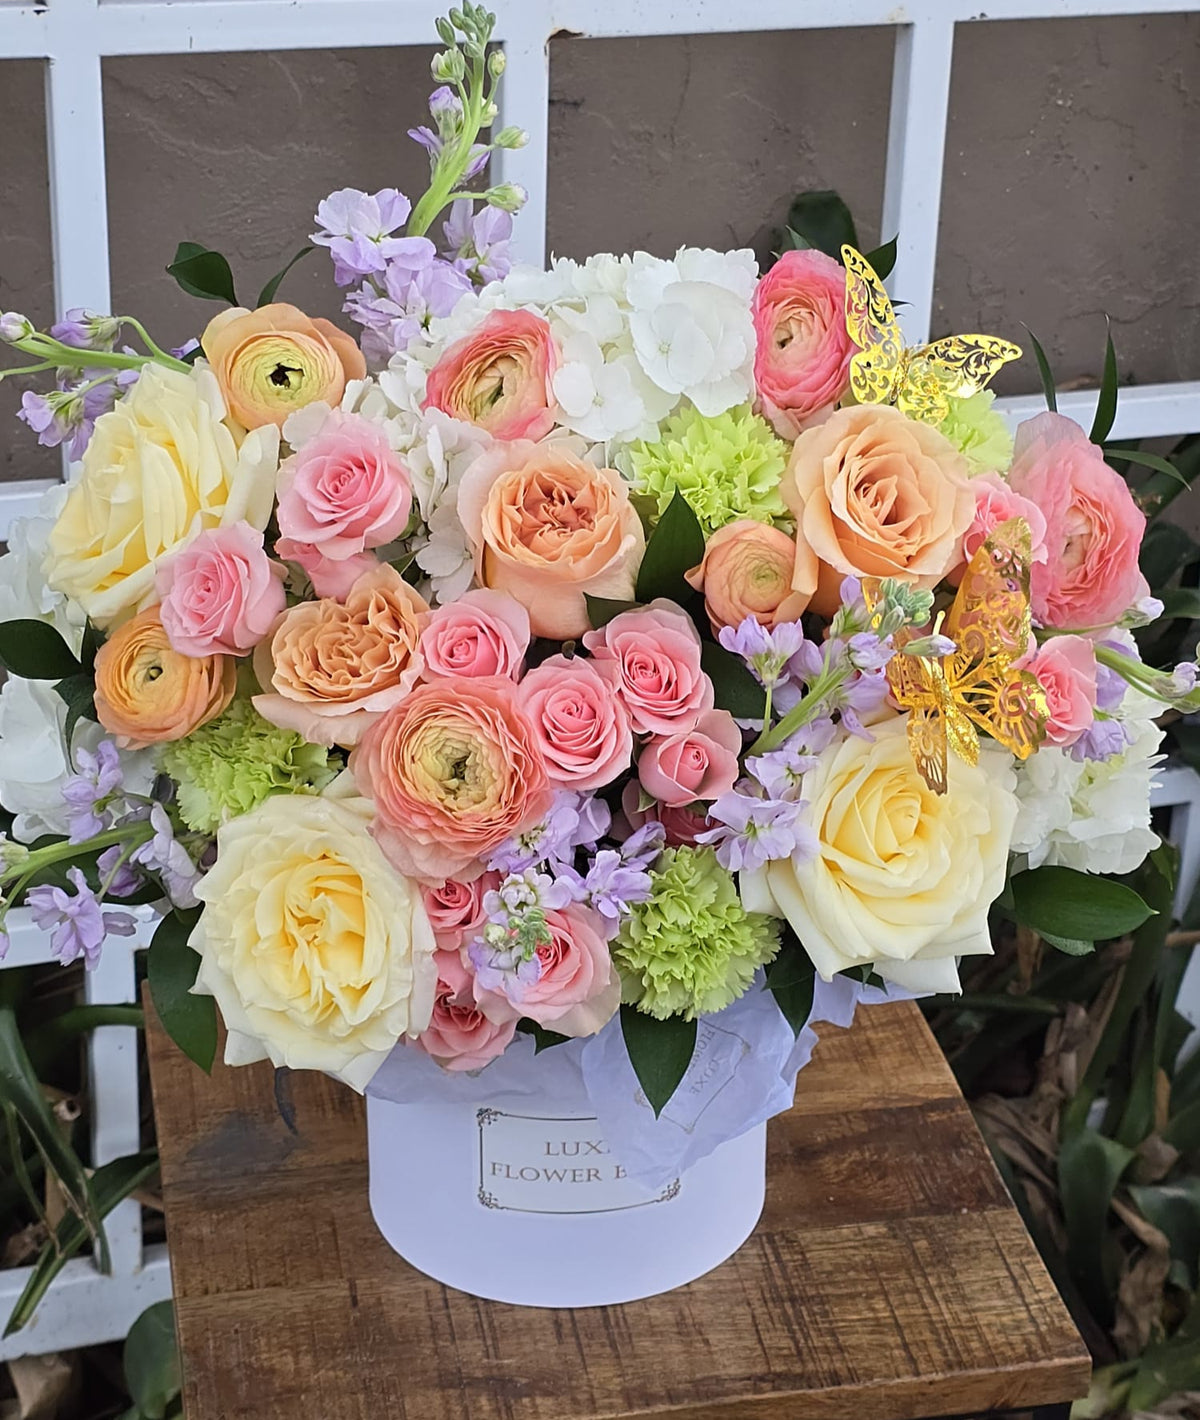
(74, 36)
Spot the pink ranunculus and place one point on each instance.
(578, 991)
(802, 362)
(682, 825)
(221, 593)
(651, 658)
(342, 493)
(483, 633)
(455, 909)
(462, 1035)
(499, 377)
(1093, 527)
(700, 763)
(582, 727)
(1066, 670)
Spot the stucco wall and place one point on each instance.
(1071, 170)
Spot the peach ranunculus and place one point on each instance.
(454, 770)
(802, 362)
(546, 528)
(499, 377)
(875, 494)
(1094, 528)
(275, 360)
(330, 669)
(747, 571)
(147, 693)
(463, 1033)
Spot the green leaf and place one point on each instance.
(171, 966)
(45, 1042)
(1044, 370)
(1106, 405)
(35, 650)
(1182, 602)
(1174, 1209)
(883, 259)
(1161, 489)
(793, 241)
(1076, 906)
(79, 693)
(734, 686)
(112, 1183)
(791, 978)
(824, 221)
(601, 610)
(1166, 549)
(1183, 1131)
(1072, 946)
(267, 294)
(543, 1039)
(152, 1361)
(21, 1093)
(1154, 461)
(659, 1051)
(204, 273)
(676, 546)
(1089, 1169)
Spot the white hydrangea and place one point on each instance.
(1092, 815)
(24, 591)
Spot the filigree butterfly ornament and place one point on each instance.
(977, 687)
(920, 380)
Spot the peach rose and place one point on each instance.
(454, 770)
(482, 633)
(651, 658)
(802, 361)
(499, 377)
(582, 727)
(461, 1036)
(546, 527)
(1066, 670)
(333, 669)
(275, 360)
(875, 494)
(148, 693)
(455, 909)
(700, 763)
(1094, 528)
(747, 571)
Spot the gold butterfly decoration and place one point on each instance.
(920, 380)
(976, 685)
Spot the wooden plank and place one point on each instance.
(889, 1278)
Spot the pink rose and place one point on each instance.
(1066, 670)
(651, 658)
(802, 362)
(499, 377)
(342, 493)
(483, 633)
(460, 1036)
(578, 990)
(221, 593)
(701, 763)
(455, 909)
(995, 503)
(682, 825)
(582, 727)
(1093, 527)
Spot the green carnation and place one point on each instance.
(233, 763)
(979, 433)
(692, 948)
(726, 467)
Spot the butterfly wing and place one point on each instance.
(919, 686)
(972, 360)
(927, 743)
(872, 325)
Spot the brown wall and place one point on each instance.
(1071, 176)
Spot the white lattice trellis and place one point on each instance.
(73, 36)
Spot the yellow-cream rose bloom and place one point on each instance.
(902, 878)
(161, 466)
(318, 952)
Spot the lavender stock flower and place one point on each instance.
(754, 831)
(478, 241)
(77, 923)
(85, 330)
(87, 791)
(165, 855)
(357, 228)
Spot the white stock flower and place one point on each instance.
(24, 591)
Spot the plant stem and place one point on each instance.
(801, 713)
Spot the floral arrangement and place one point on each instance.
(581, 651)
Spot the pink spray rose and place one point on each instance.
(483, 633)
(578, 990)
(802, 362)
(582, 727)
(344, 492)
(1066, 670)
(221, 593)
(700, 763)
(499, 377)
(1093, 527)
(455, 909)
(995, 503)
(682, 825)
(461, 1035)
(651, 658)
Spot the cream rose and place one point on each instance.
(161, 466)
(903, 878)
(319, 954)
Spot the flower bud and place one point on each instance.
(509, 197)
(445, 30)
(14, 327)
(448, 66)
(496, 63)
(931, 647)
(511, 137)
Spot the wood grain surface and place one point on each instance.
(890, 1276)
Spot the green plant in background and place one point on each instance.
(152, 1366)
